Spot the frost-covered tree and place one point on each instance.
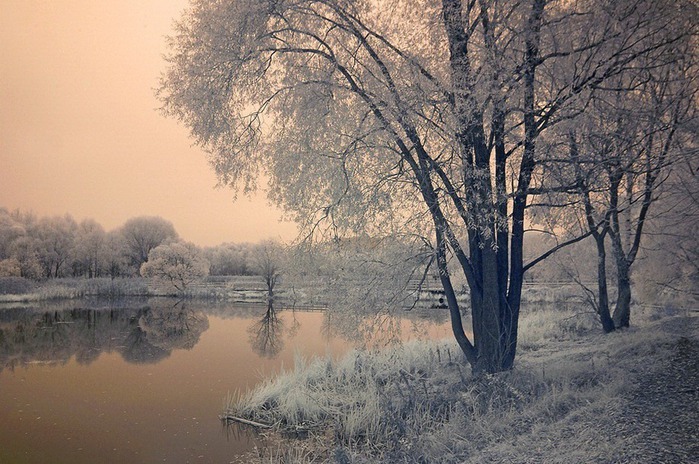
(176, 263)
(635, 134)
(11, 228)
(116, 261)
(25, 250)
(142, 234)
(267, 259)
(229, 259)
(90, 248)
(405, 118)
(55, 244)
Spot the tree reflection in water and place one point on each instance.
(266, 335)
(146, 334)
(163, 329)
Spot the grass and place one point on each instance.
(419, 403)
(57, 289)
(234, 289)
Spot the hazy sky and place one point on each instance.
(79, 128)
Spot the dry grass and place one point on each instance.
(419, 403)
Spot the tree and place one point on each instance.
(10, 267)
(55, 246)
(176, 263)
(116, 263)
(229, 259)
(25, 250)
(10, 229)
(406, 118)
(142, 234)
(622, 153)
(90, 245)
(19, 250)
(267, 259)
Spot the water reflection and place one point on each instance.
(160, 330)
(145, 334)
(378, 330)
(86, 384)
(150, 331)
(267, 334)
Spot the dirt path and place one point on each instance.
(658, 421)
(655, 422)
(661, 419)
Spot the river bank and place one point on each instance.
(234, 289)
(576, 395)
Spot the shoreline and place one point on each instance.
(569, 399)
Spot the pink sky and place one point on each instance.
(80, 132)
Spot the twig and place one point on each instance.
(231, 418)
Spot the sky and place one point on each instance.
(80, 131)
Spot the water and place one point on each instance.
(145, 381)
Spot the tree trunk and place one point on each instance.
(602, 290)
(454, 313)
(509, 312)
(495, 311)
(622, 311)
(485, 307)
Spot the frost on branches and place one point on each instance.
(406, 118)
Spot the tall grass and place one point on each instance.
(419, 403)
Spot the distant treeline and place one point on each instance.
(40, 248)
(59, 246)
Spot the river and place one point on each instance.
(144, 381)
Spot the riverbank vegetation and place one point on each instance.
(419, 403)
(242, 289)
(21, 290)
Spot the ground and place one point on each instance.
(656, 420)
(661, 418)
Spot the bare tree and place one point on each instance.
(623, 152)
